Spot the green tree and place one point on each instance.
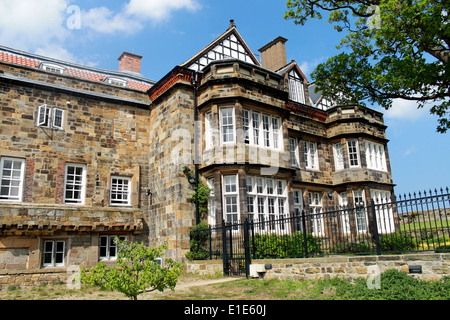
(392, 49)
(137, 271)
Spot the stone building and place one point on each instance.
(89, 154)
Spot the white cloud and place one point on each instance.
(103, 20)
(157, 10)
(27, 24)
(308, 66)
(411, 150)
(405, 110)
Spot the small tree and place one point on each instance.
(137, 271)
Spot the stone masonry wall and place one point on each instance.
(434, 266)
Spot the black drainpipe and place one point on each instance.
(196, 140)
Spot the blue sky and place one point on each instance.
(166, 33)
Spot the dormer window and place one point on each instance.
(296, 87)
(52, 68)
(116, 81)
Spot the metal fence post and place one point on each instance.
(224, 248)
(375, 227)
(246, 248)
(305, 238)
(210, 242)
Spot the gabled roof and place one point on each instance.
(218, 50)
(290, 66)
(26, 59)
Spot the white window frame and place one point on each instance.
(293, 152)
(230, 191)
(296, 87)
(208, 130)
(231, 126)
(338, 156)
(116, 81)
(11, 179)
(383, 210)
(262, 130)
(315, 211)
(297, 195)
(53, 68)
(48, 117)
(211, 202)
(345, 216)
(108, 246)
(81, 183)
(120, 192)
(353, 154)
(375, 156)
(269, 196)
(360, 211)
(53, 253)
(311, 155)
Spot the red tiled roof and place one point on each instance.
(70, 71)
(18, 60)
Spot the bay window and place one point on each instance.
(261, 129)
(230, 198)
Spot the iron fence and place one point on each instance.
(418, 222)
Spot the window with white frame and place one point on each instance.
(310, 155)
(298, 208)
(296, 87)
(211, 202)
(361, 218)
(120, 193)
(338, 156)
(54, 253)
(261, 129)
(345, 216)
(11, 178)
(231, 198)
(50, 117)
(108, 247)
(315, 211)
(227, 124)
(116, 81)
(353, 153)
(293, 152)
(267, 201)
(53, 68)
(383, 210)
(75, 183)
(375, 156)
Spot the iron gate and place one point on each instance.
(236, 249)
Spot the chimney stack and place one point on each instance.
(130, 62)
(273, 54)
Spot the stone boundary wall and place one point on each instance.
(434, 266)
(31, 278)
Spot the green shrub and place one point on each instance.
(394, 285)
(284, 246)
(397, 241)
(199, 236)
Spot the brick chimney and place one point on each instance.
(130, 62)
(273, 54)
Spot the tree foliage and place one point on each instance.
(137, 271)
(392, 49)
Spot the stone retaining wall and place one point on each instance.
(434, 266)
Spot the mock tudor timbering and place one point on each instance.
(88, 154)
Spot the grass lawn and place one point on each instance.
(394, 285)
